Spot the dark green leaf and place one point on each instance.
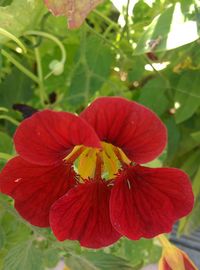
(196, 136)
(153, 96)
(6, 144)
(173, 138)
(16, 88)
(187, 95)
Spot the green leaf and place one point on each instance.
(140, 252)
(187, 95)
(77, 262)
(191, 163)
(97, 261)
(2, 237)
(196, 184)
(153, 96)
(51, 257)
(20, 16)
(196, 136)
(167, 30)
(16, 88)
(5, 2)
(6, 144)
(106, 261)
(173, 138)
(23, 257)
(91, 72)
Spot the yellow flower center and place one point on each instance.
(85, 160)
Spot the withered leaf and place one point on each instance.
(75, 10)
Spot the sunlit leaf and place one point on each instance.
(105, 261)
(11, 18)
(23, 256)
(167, 30)
(97, 261)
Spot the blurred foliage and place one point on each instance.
(149, 53)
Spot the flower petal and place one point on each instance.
(83, 214)
(35, 188)
(146, 202)
(128, 125)
(47, 137)
(181, 261)
(75, 10)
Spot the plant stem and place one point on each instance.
(109, 21)
(20, 66)
(5, 156)
(14, 38)
(163, 240)
(40, 76)
(127, 20)
(51, 37)
(10, 119)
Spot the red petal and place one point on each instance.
(189, 265)
(35, 188)
(165, 265)
(83, 214)
(146, 202)
(128, 125)
(75, 10)
(47, 137)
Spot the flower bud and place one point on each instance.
(174, 258)
(57, 67)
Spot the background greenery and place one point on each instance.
(148, 52)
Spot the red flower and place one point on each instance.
(81, 175)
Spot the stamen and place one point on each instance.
(99, 164)
(119, 156)
(129, 184)
(74, 154)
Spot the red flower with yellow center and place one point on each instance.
(81, 174)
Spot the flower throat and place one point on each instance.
(86, 159)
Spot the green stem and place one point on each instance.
(40, 76)
(127, 20)
(158, 72)
(5, 156)
(14, 38)
(109, 21)
(10, 119)
(3, 109)
(20, 66)
(51, 37)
